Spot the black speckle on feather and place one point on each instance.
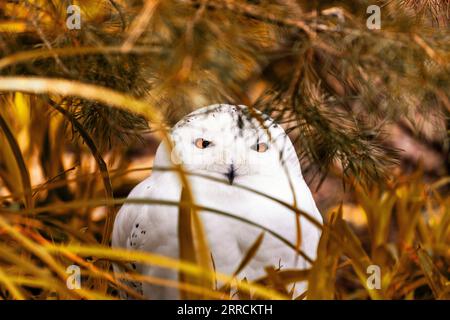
(240, 122)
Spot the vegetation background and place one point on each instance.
(83, 110)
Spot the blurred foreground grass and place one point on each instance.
(73, 102)
(402, 227)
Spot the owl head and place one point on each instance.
(232, 142)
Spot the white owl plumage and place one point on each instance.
(223, 141)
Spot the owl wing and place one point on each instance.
(150, 228)
(125, 219)
(125, 236)
(136, 224)
(310, 233)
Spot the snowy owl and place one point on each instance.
(225, 143)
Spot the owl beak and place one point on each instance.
(231, 174)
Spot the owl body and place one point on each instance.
(245, 194)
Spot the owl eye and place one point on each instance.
(261, 147)
(202, 143)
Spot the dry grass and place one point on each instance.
(70, 107)
(406, 232)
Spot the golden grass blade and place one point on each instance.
(247, 258)
(352, 248)
(242, 294)
(440, 183)
(435, 279)
(411, 199)
(76, 235)
(203, 253)
(10, 286)
(39, 85)
(298, 227)
(302, 296)
(275, 281)
(186, 243)
(443, 60)
(139, 24)
(24, 174)
(322, 276)
(31, 282)
(250, 254)
(443, 228)
(193, 246)
(13, 26)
